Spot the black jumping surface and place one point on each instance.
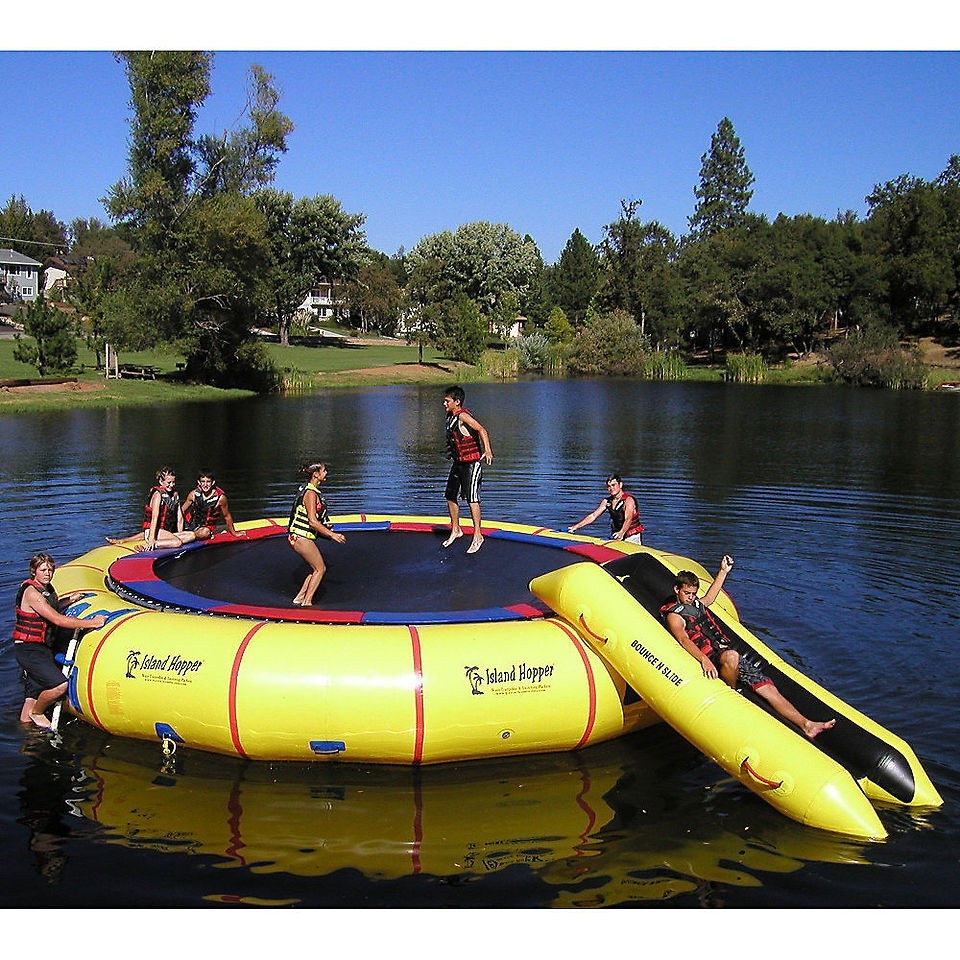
(381, 570)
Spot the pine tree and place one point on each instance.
(724, 189)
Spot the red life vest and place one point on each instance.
(205, 510)
(700, 625)
(29, 626)
(169, 508)
(465, 447)
(618, 514)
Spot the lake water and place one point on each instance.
(840, 507)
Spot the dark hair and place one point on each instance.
(686, 578)
(165, 472)
(311, 467)
(455, 393)
(206, 473)
(614, 476)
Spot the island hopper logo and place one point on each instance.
(171, 668)
(517, 678)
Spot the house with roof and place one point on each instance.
(325, 302)
(19, 277)
(59, 273)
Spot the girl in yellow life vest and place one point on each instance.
(308, 520)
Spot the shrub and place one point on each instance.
(874, 358)
(745, 368)
(608, 344)
(664, 365)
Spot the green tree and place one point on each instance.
(637, 272)
(558, 328)
(199, 239)
(375, 298)
(310, 239)
(35, 234)
(913, 228)
(54, 350)
(483, 262)
(575, 278)
(724, 190)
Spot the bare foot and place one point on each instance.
(455, 534)
(476, 545)
(114, 541)
(39, 720)
(813, 727)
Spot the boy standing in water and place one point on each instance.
(469, 445)
(700, 634)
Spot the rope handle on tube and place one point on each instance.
(596, 636)
(756, 776)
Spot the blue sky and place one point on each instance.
(545, 140)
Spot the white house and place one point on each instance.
(59, 273)
(325, 302)
(19, 277)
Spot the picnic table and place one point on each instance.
(137, 371)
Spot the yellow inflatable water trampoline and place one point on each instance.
(414, 654)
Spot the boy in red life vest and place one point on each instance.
(624, 516)
(37, 609)
(468, 444)
(701, 635)
(206, 507)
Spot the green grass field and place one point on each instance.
(304, 368)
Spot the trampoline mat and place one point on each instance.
(400, 573)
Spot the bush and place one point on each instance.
(533, 351)
(499, 363)
(874, 358)
(745, 368)
(608, 344)
(664, 365)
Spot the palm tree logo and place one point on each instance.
(473, 675)
(132, 662)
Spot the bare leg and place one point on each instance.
(477, 542)
(43, 703)
(789, 712)
(310, 552)
(29, 706)
(455, 531)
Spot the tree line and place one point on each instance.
(201, 250)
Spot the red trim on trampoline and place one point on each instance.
(232, 696)
(526, 611)
(591, 683)
(594, 552)
(136, 568)
(289, 614)
(415, 649)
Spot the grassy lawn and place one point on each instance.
(305, 368)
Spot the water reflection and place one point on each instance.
(599, 828)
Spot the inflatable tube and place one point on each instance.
(767, 756)
(264, 682)
(883, 764)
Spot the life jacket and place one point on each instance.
(700, 625)
(205, 511)
(29, 626)
(462, 447)
(169, 507)
(299, 524)
(618, 513)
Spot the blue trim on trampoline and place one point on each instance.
(158, 592)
